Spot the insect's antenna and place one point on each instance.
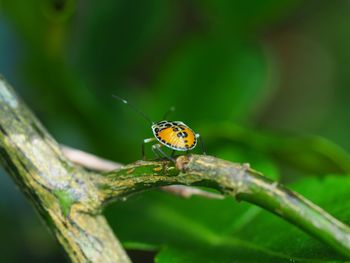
(172, 109)
(134, 108)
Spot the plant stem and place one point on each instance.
(230, 179)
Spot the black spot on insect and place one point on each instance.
(182, 134)
(167, 125)
(182, 128)
(175, 129)
(156, 129)
(163, 141)
(186, 141)
(161, 122)
(187, 146)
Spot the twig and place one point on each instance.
(88, 160)
(230, 179)
(99, 164)
(188, 191)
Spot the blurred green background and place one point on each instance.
(264, 82)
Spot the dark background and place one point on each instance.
(247, 75)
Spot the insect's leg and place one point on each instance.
(143, 146)
(154, 149)
(201, 142)
(160, 153)
(165, 154)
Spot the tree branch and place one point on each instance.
(93, 162)
(62, 193)
(230, 179)
(70, 198)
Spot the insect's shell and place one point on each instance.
(175, 135)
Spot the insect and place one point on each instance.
(175, 135)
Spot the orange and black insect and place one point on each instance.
(175, 135)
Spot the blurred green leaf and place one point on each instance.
(220, 255)
(309, 154)
(157, 218)
(41, 24)
(126, 30)
(212, 79)
(243, 17)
